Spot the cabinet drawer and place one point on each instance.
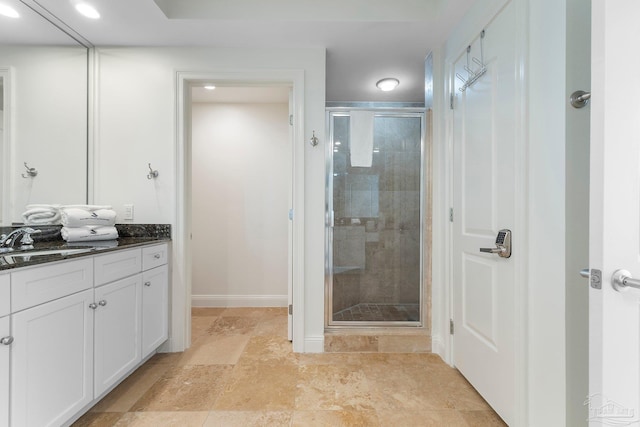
(117, 265)
(5, 294)
(41, 284)
(154, 256)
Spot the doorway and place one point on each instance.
(183, 248)
(241, 195)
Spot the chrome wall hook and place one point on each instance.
(580, 99)
(314, 139)
(152, 173)
(31, 172)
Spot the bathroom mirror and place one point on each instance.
(43, 122)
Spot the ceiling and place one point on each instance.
(366, 40)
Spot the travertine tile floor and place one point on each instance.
(240, 371)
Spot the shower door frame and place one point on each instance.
(380, 110)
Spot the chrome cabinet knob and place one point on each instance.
(6, 340)
(157, 256)
(147, 283)
(102, 303)
(93, 306)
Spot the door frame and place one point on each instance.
(445, 344)
(181, 295)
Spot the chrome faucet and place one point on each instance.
(24, 234)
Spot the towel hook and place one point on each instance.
(314, 139)
(152, 173)
(31, 172)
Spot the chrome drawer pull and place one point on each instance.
(6, 340)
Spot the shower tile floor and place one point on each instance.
(368, 312)
(241, 371)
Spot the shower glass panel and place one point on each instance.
(374, 257)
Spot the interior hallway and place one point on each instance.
(240, 371)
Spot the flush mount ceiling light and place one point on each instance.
(209, 87)
(8, 11)
(86, 9)
(387, 84)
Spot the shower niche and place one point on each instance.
(374, 211)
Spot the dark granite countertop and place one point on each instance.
(130, 237)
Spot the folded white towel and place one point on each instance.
(41, 215)
(361, 138)
(75, 217)
(88, 233)
(87, 207)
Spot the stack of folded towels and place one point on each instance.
(81, 223)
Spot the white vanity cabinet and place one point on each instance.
(5, 347)
(52, 361)
(78, 328)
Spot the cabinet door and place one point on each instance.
(155, 309)
(5, 333)
(52, 361)
(117, 331)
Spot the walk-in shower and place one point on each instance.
(374, 216)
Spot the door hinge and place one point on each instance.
(290, 309)
(452, 97)
(290, 214)
(290, 119)
(450, 214)
(451, 328)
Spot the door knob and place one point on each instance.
(503, 244)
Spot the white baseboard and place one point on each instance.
(437, 346)
(239, 300)
(314, 344)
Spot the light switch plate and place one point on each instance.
(128, 212)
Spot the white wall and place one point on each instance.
(542, 285)
(135, 123)
(241, 181)
(49, 124)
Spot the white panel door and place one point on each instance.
(614, 233)
(118, 333)
(52, 361)
(484, 132)
(5, 348)
(155, 309)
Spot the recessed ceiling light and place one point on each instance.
(85, 9)
(209, 87)
(8, 11)
(387, 84)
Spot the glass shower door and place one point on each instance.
(374, 205)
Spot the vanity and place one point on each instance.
(73, 326)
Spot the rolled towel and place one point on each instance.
(75, 217)
(88, 233)
(41, 216)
